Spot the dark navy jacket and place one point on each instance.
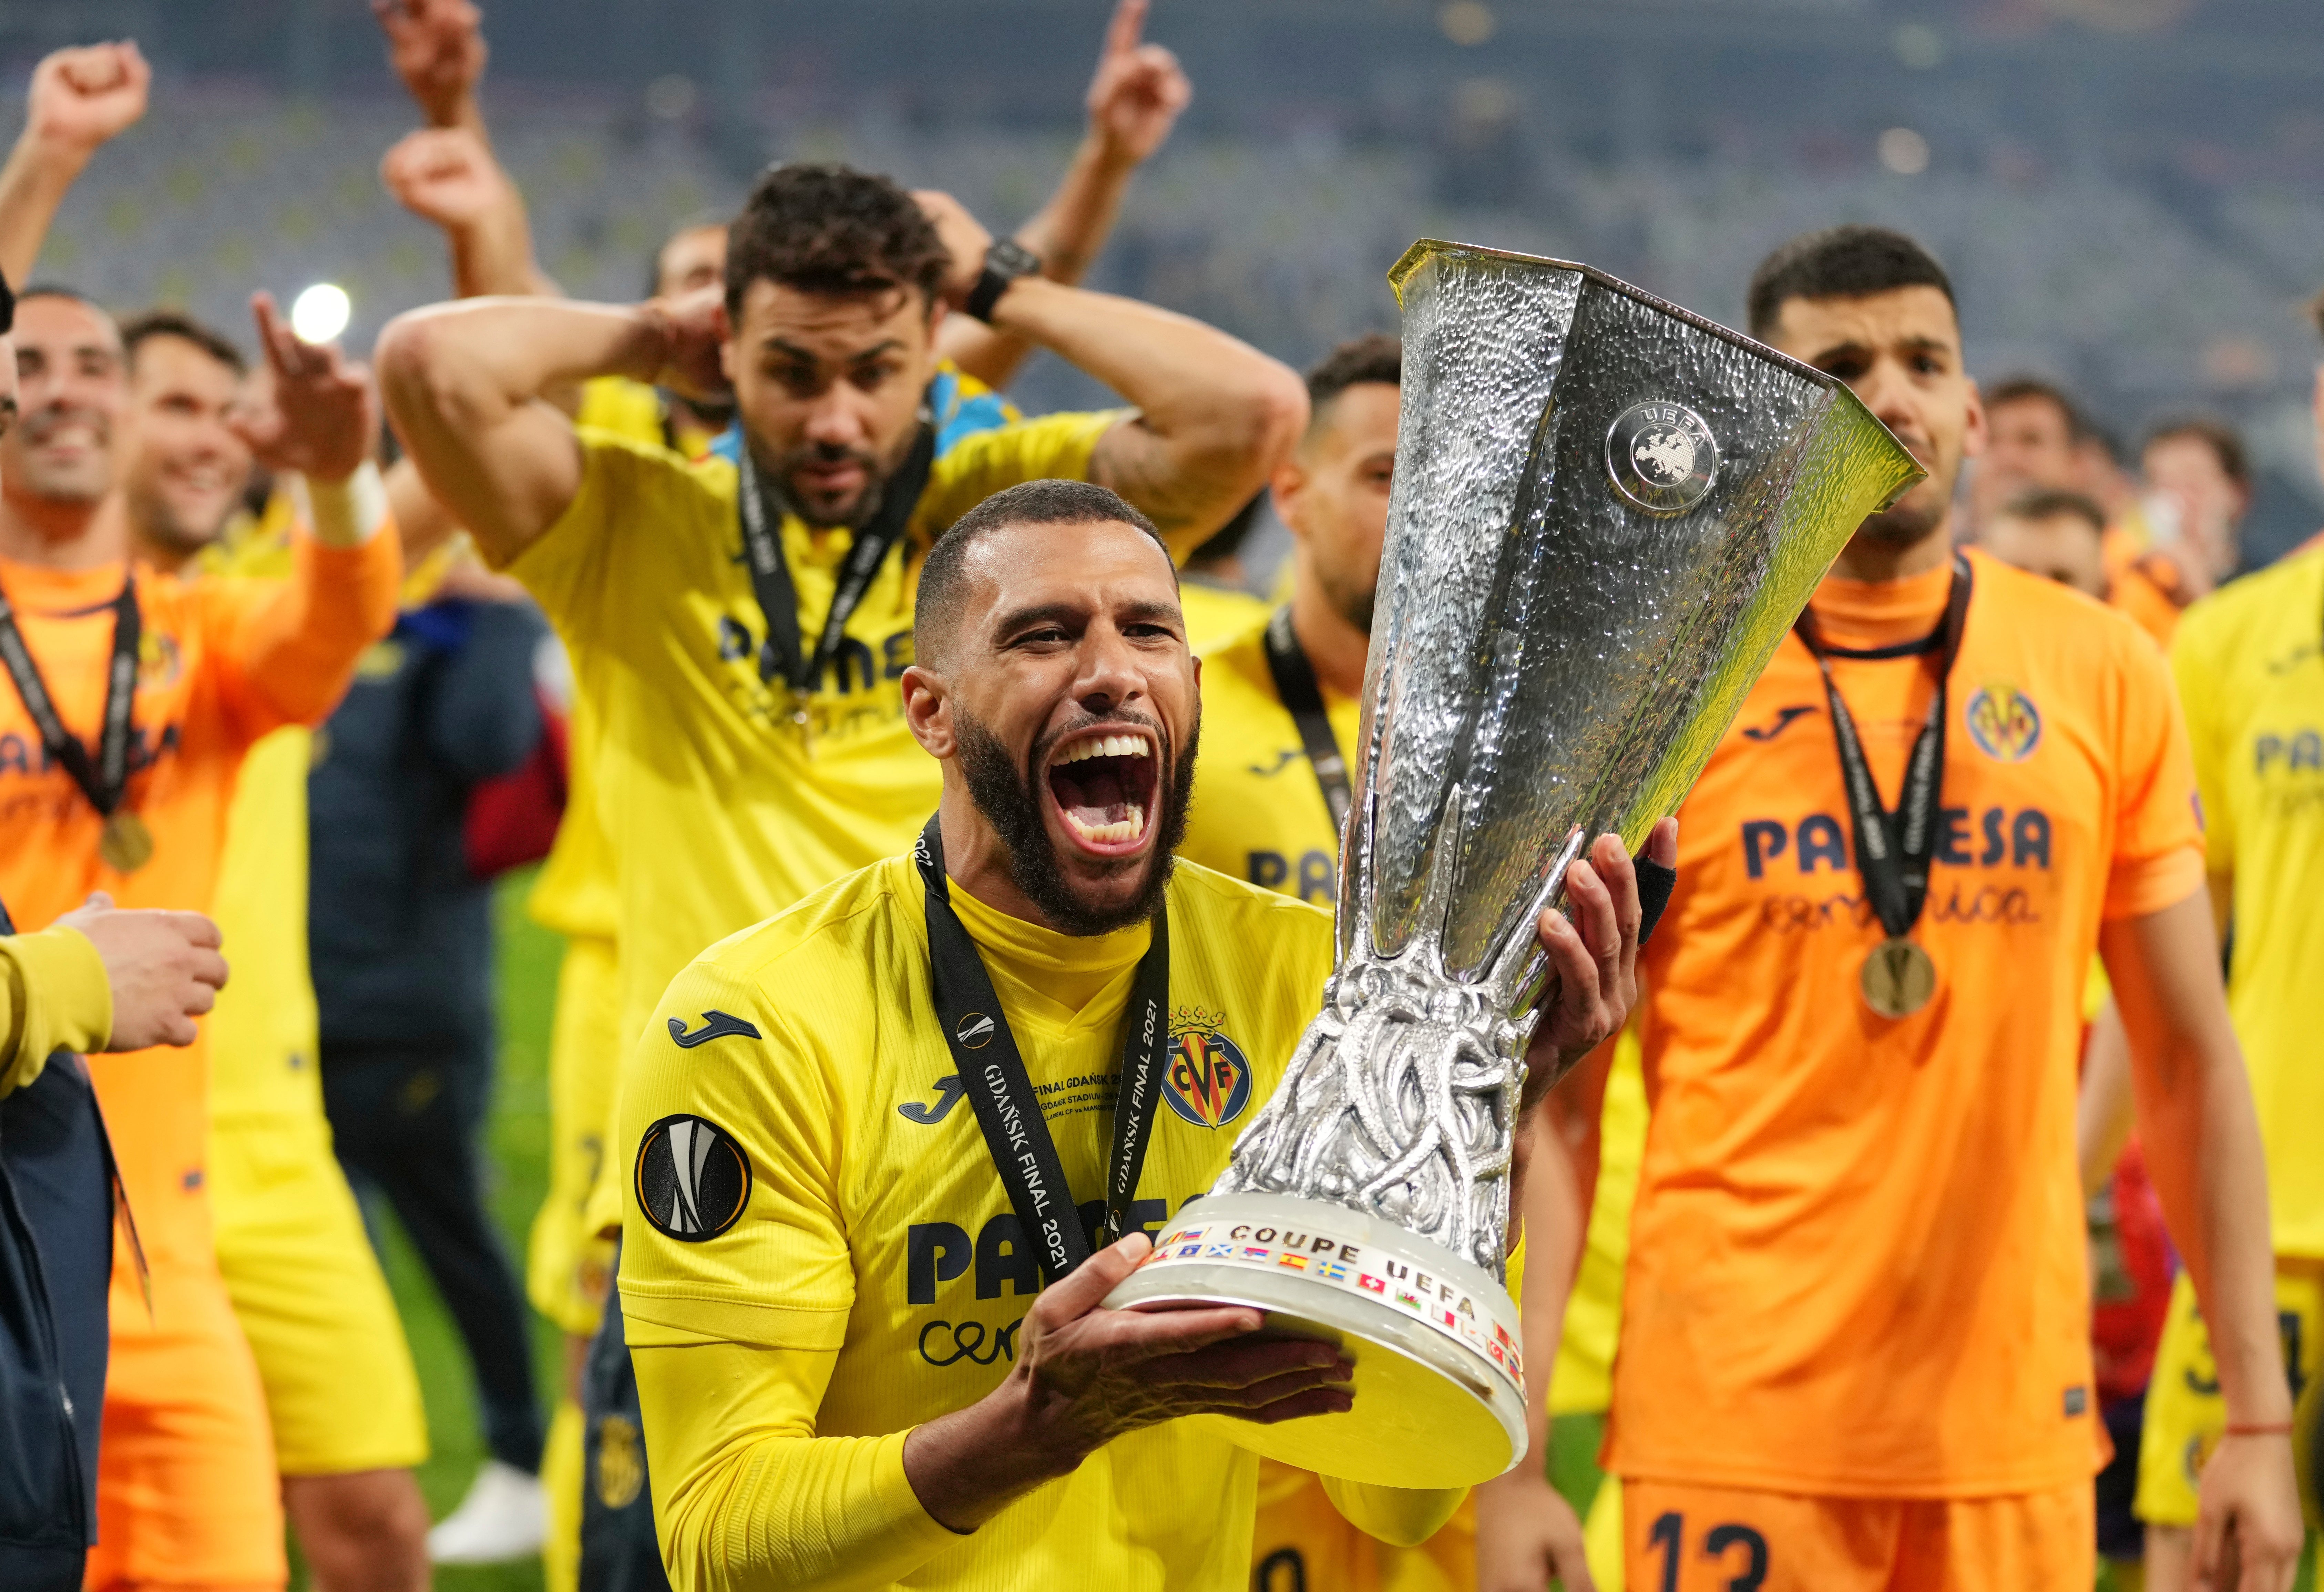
(400, 930)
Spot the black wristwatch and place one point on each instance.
(1004, 263)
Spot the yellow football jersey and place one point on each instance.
(263, 1030)
(847, 1214)
(573, 894)
(725, 799)
(1217, 615)
(262, 1045)
(2250, 664)
(1259, 814)
(1581, 1381)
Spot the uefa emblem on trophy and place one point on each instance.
(1607, 513)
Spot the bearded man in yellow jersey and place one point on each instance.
(1855, 1350)
(341, 1392)
(828, 1264)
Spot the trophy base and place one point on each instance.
(1438, 1381)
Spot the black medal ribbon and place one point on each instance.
(1296, 684)
(105, 778)
(993, 1074)
(1893, 847)
(770, 572)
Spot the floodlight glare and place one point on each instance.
(320, 314)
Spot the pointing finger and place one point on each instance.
(1121, 33)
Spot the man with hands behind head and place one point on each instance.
(745, 625)
(851, 1370)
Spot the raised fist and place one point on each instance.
(1138, 91)
(314, 410)
(437, 48)
(82, 96)
(444, 175)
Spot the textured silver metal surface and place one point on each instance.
(1548, 662)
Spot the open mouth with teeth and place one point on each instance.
(1104, 787)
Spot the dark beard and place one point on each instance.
(775, 481)
(1353, 603)
(1010, 797)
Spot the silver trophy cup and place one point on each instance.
(1607, 513)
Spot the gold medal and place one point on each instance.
(127, 845)
(1898, 977)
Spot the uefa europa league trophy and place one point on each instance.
(1607, 513)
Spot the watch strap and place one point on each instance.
(1004, 263)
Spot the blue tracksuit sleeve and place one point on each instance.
(483, 719)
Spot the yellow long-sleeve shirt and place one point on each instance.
(54, 997)
(843, 1265)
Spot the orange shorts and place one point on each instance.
(1677, 1537)
(186, 1494)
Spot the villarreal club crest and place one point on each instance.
(1208, 1081)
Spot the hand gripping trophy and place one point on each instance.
(1607, 513)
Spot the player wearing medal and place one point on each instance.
(831, 1267)
(748, 653)
(342, 1396)
(134, 697)
(1855, 1345)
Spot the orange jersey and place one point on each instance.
(221, 662)
(1857, 1260)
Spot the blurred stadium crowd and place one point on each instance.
(1274, 212)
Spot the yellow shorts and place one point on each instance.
(1303, 1542)
(1681, 1537)
(341, 1392)
(2184, 1412)
(566, 1267)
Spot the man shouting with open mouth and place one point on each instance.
(867, 1325)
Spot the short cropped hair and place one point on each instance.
(700, 221)
(944, 577)
(2222, 438)
(2034, 390)
(1841, 263)
(140, 329)
(2050, 503)
(830, 229)
(1374, 357)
